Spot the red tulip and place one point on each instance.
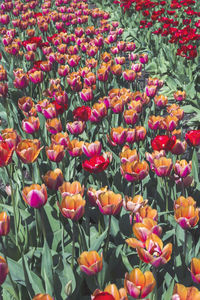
(96, 164)
(163, 142)
(192, 137)
(104, 296)
(82, 113)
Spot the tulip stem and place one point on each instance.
(9, 275)
(185, 246)
(155, 289)
(182, 187)
(13, 205)
(133, 189)
(42, 223)
(108, 235)
(167, 198)
(73, 246)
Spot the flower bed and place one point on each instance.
(98, 193)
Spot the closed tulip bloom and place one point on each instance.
(35, 195)
(131, 116)
(180, 95)
(116, 70)
(99, 111)
(72, 207)
(182, 168)
(195, 269)
(55, 152)
(103, 296)
(170, 123)
(96, 164)
(192, 137)
(3, 270)
(184, 202)
(128, 155)
(5, 154)
(53, 125)
(139, 285)
(134, 204)
(53, 179)
(118, 135)
(75, 148)
(185, 293)
(154, 253)
(117, 105)
(42, 297)
(92, 149)
(151, 90)
(25, 103)
(179, 147)
(135, 170)
(86, 95)
(69, 189)
(36, 76)
(4, 223)
(60, 138)
(102, 74)
(49, 111)
(136, 105)
(28, 150)
(163, 142)
(136, 67)
(120, 60)
(154, 122)
(143, 58)
(76, 127)
(31, 125)
(90, 262)
(162, 166)
(187, 217)
(109, 203)
(129, 75)
(130, 135)
(140, 133)
(160, 101)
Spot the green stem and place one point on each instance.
(185, 246)
(155, 289)
(9, 275)
(73, 246)
(133, 189)
(13, 205)
(108, 235)
(42, 222)
(167, 197)
(7, 112)
(36, 225)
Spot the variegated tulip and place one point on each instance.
(128, 155)
(154, 253)
(184, 202)
(185, 293)
(139, 285)
(118, 135)
(76, 127)
(75, 148)
(4, 223)
(90, 262)
(187, 217)
(53, 179)
(53, 125)
(162, 166)
(109, 203)
(69, 189)
(31, 125)
(28, 150)
(94, 194)
(72, 207)
(55, 152)
(195, 269)
(146, 212)
(134, 204)
(135, 170)
(92, 149)
(182, 168)
(35, 195)
(3, 270)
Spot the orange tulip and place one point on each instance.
(93, 194)
(135, 170)
(162, 166)
(3, 270)
(55, 152)
(11, 137)
(72, 207)
(134, 204)
(5, 154)
(187, 217)
(185, 293)
(75, 148)
(35, 195)
(42, 297)
(128, 155)
(195, 269)
(28, 150)
(111, 289)
(53, 179)
(184, 202)
(109, 203)
(4, 223)
(53, 125)
(90, 262)
(69, 189)
(146, 212)
(139, 285)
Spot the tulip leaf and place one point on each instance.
(47, 268)
(169, 292)
(96, 243)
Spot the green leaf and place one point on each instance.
(168, 294)
(96, 244)
(47, 268)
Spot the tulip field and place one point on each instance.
(99, 150)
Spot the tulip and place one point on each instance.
(134, 204)
(192, 137)
(28, 150)
(25, 103)
(128, 155)
(118, 135)
(35, 195)
(72, 207)
(129, 75)
(111, 289)
(5, 153)
(155, 254)
(55, 152)
(143, 58)
(117, 105)
(99, 111)
(154, 122)
(92, 149)
(69, 189)
(90, 262)
(130, 135)
(60, 139)
(76, 127)
(180, 95)
(4, 223)
(53, 179)
(151, 90)
(161, 100)
(3, 270)
(82, 113)
(42, 297)
(179, 147)
(182, 168)
(185, 293)
(162, 166)
(146, 212)
(163, 142)
(139, 285)
(49, 111)
(93, 194)
(170, 123)
(136, 170)
(86, 95)
(53, 125)
(35, 76)
(136, 105)
(109, 203)
(130, 116)
(103, 296)
(31, 125)
(195, 269)
(116, 70)
(184, 202)
(187, 217)
(140, 133)
(96, 164)
(75, 148)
